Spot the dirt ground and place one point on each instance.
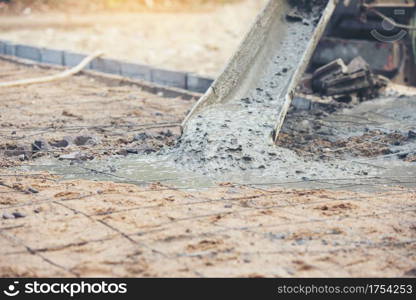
(194, 41)
(55, 227)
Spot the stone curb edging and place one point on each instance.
(113, 80)
(181, 80)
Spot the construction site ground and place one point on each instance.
(199, 41)
(82, 114)
(51, 226)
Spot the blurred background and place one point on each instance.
(123, 5)
(186, 35)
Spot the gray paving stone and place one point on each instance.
(169, 78)
(109, 66)
(3, 45)
(10, 49)
(136, 71)
(28, 52)
(198, 84)
(71, 59)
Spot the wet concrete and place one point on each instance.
(383, 127)
(236, 135)
(289, 165)
(133, 169)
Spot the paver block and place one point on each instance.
(72, 59)
(10, 49)
(301, 103)
(169, 78)
(28, 52)
(198, 84)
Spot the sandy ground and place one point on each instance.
(199, 42)
(85, 228)
(51, 227)
(81, 118)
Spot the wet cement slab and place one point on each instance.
(293, 166)
(232, 141)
